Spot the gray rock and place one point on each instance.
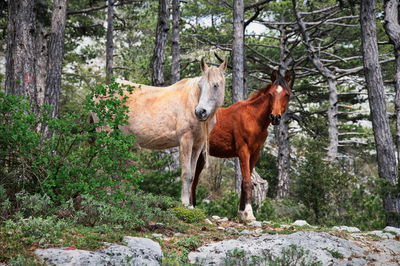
(310, 247)
(286, 226)
(245, 232)
(157, 235)
(255, 224)
(138, 251)
(231, 230)
(349, 229)
(300, 223)
(221, 228)
(392, 229)
(215, 217)
(258, 231)
(207, 221)
(223, 220)
(177, 234)
(381, 234)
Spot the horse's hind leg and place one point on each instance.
(199, 167)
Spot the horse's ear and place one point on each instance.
(223, 66)
(274, 76)
(289, 77)
(203, 65)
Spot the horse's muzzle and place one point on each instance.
(201, 114)
(275, 119)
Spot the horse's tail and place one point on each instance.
(206, 147)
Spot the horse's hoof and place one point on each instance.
(190, 207)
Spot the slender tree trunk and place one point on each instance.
(110, 41)
(56, 54)
(282, 130)
(161, 40)
(380, 122)
(329, 75)
(392, 27)
(282, 135)
(21, 47)
(175, 71)
(238, 70)
(333, 131)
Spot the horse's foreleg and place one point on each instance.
(185, 153)
(199, 167)
(245, 209)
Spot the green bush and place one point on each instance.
(189, 215)
(190, 243)
(38, 230)
(224, 207)
(334, 196)
(33, 205)
(76, 159)
(158, 176)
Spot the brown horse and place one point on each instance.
(241, 131)
(178, 115)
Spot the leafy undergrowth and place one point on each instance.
(19, 239)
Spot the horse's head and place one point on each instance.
(212, 90)
(279, 93)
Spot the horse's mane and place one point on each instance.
(280, 81)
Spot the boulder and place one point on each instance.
(308, 247)
(300, 223)
(392, 229)
(349, 229)
(137, 251)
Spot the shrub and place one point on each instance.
(189, 215)
(38, 230)
(225, 207)
(190, 243)
(76, 159)
(33, 204)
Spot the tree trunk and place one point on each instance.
(175, 71)
(237, 50)
(260, 188)
(330, 77)
(21, 48)
(110, 41)
(55, 58)
(282, 136)
(238, 69)
(333, 131)
(383, 139)
(392, 28)
(160, 43)
(282, 130)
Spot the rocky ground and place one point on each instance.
(257, 243)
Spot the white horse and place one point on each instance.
(178, 115)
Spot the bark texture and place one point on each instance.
(110, 41)
(21, 47)
(160, 43)
(260, 188)
(56, 54)
(282, 130)
(175, 46)
(313, 55)
(238, 69)
(392, 28)
(383, 139)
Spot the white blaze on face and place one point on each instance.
(279, 89)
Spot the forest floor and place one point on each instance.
(176, 240)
